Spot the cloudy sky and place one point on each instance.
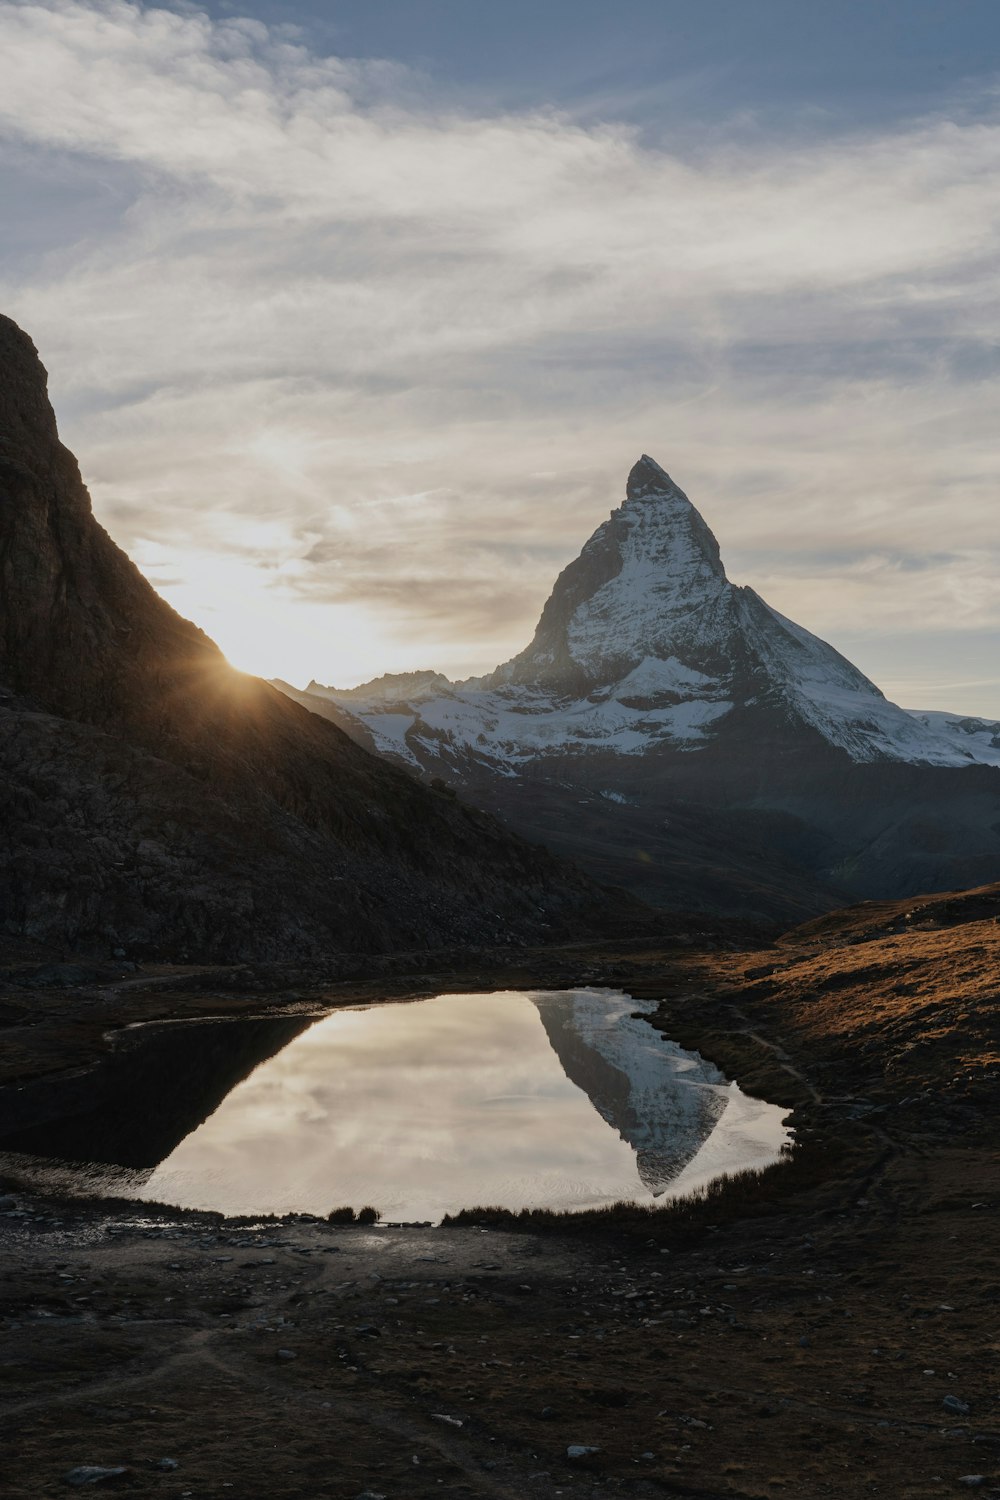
(357, 313)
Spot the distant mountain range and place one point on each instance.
(154, 801)
(675, 733)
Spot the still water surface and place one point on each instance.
(563, 1100)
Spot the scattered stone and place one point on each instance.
(166, 1465)
(578, 1452)
(955, 1406)
(440, 1416)
(93, 1474)
(286, 1354)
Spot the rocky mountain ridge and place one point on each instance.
(156, 801)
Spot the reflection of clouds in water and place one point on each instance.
(420, 1108)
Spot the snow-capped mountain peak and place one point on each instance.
(647, 477)
(645, 645)
(650, 565)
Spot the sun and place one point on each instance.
(262, 627)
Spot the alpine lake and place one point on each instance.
(561, 1100)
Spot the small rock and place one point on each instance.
(972, 1481)
(440, 1416)
(286, 1354)
(955, 1406)
(166, 1465)
(93, 1474)
(576, 1452)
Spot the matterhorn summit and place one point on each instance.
(658, 695)
(650, 577)
(644, 642)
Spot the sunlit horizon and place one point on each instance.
(354, 365)
(268, 636)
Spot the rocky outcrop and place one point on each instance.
(155, 799)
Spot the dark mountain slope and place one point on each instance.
(155, 798)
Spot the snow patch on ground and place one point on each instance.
(973, 739)
(654, 676)
(516, 724)
(388, 732)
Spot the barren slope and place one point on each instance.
(156, 799)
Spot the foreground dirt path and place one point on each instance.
(804, 1354)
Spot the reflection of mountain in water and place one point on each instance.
(662, 1101)
(159, 1084)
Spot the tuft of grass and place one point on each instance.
(366, 1215)
(747, 1194)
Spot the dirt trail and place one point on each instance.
(533, 1344)
(778, 1050)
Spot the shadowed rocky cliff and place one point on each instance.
(155, 799)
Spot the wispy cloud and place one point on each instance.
(387, 362)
